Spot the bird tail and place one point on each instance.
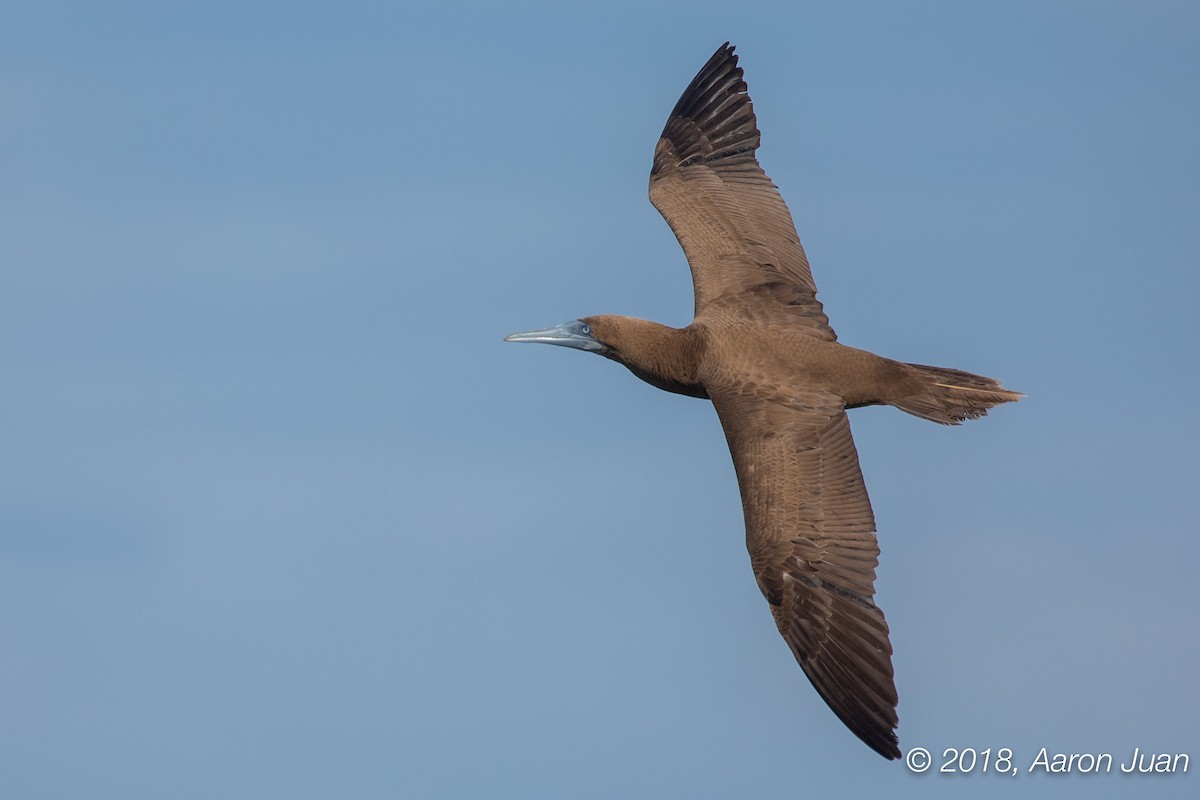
(951, 395)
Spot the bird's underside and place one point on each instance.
(811, 537)
(809, 525)
(762, 349)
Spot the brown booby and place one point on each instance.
(761, 348)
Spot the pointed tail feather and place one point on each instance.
(951, 395)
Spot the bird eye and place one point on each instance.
(586, 330)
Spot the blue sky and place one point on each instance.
(280, 515)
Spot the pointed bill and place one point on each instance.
(576, 334)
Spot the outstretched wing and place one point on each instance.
(735, 228)
(811, 536)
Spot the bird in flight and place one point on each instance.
(761, 349)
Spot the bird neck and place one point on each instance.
(665, 357)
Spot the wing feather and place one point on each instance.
(729, 217)
(811, 536)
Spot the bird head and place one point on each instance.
(581, 334)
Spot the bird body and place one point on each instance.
(712, 355)
(762, 350)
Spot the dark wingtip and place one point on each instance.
(879, 735)
(882, 740)
(713, 118)
(888, 748)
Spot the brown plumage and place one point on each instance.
(761, 348)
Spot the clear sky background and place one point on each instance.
(280, 515)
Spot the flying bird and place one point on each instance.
(761, 349)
